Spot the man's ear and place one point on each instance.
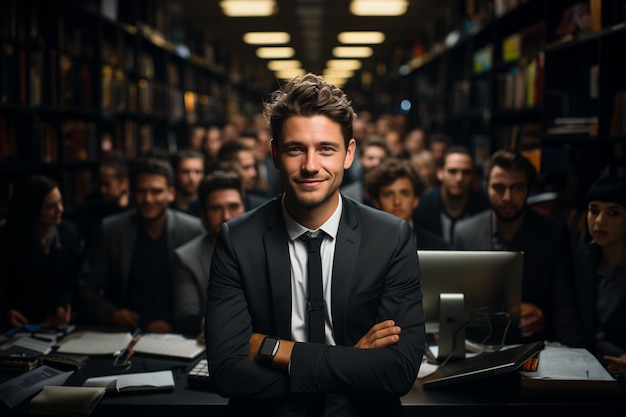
(440, 174)
(274, 152)
(172, 194)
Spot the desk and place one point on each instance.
(495, 396)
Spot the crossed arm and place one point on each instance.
(380, 335)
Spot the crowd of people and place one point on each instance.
(138, 252)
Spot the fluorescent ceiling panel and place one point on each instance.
(345, 64)
(284, 64)
(241, 8)
(362, 38)
(275, 52)
(266, 38)
(378, 7)
(353, 52)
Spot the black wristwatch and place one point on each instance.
(268, 349)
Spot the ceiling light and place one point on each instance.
(329, 72)
(284, 64)
(266, 38)
(353, 51)
(378, 7)
(275, 52)
(289, 74)
(240, 8)
(346, 64)
(337, 81)
(366, 38)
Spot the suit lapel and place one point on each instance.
(346, 250)
(278, 263)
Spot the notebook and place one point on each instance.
(483, 365)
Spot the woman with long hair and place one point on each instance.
(39, 256)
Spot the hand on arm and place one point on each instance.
(616, 364)
(532, 320)
(380, 335)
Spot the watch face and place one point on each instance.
(268, 348)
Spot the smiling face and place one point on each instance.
(607, 223)
(312, 157)
(152, 196)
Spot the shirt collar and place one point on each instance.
(330, 227)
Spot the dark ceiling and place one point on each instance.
(313, 25)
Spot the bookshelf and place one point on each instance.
(544, 77)
(81, 80)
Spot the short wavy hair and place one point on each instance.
(309, 95)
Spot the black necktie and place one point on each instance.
(316, 289)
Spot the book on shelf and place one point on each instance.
(79, 140)
(483, 59)
(7, 138)
(35, 75)
(48, 143)
(574, 125)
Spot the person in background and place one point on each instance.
(127, 279)
(211, 145)
(188, 172)
(395, 186)
(39, 257)
(426, 166)
(113, 197)
(455, 199)
(239, 153)
(221, 197)
(601, 273)
(263, 350)
(548, 309)
(438, 145)
(414, 142)
(371, 153)
(196, 137)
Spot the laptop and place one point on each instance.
(483, 365)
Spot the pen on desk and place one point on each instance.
(429, 355)
(122, 358)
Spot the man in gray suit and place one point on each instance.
(548, 308)
(220, 195)
(127, 278)
(273, 348)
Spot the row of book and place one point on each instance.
(522, 86)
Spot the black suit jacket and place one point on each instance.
(375, 278)
(105, 273)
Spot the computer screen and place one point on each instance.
(491, 284)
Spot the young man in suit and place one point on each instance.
(127, 278)
(442, 207)
(548, 307)
(265, 351)
(395, 186)
(221, 198)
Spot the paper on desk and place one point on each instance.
(94, 343)
(16, 390)
(134, 382)
(564, 363)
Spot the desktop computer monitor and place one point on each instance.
(491, 285)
